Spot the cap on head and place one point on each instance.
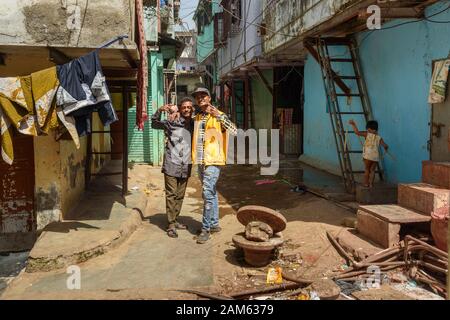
(200, 90)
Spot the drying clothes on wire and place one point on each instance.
(27, 104)
(83, 90)
(15, 112)
(439, 82)
(44, 85)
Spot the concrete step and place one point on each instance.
(423, 197)
(436, 173)
(378, 194)
(382, 223)
(98, 224)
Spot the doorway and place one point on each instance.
(17, 210)
(440, 130)
(288, 108)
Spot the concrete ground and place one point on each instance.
(150, 265)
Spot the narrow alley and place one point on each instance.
(229, 150)
(149, 265)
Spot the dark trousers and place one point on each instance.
(175, 190)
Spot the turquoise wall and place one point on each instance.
(262, 101)
(397, 66)
(205, 40)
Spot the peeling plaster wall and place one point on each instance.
(47, 163)
(60, 173)
(72, 23)
(71, 177)
(288, 17)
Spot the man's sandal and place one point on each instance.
(172, 232)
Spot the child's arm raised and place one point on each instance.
(355, 128)
(385, 146)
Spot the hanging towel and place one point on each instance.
(83, 90)
(16, 110)
(6, 139)
(438, 84)
(44, 85)
(28, 105)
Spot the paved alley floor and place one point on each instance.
(150, 265)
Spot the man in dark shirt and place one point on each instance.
(177, 162)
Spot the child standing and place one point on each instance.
(371, 154)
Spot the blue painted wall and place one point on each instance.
(397, 69)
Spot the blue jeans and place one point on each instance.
(209, 176)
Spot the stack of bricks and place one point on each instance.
(417, 203)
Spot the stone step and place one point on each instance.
(436, 173)
(378, 194)
(381, 223)
(423, 197)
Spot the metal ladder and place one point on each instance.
(337, 113)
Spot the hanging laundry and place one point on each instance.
(28, 104)
(6, 139)
(82, 91)
(16, 111)
(438, 85)
(44, 85)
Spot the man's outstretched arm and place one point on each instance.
(157, 123)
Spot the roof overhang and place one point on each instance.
(350, 21)
(166, 40)
(249, 68)
(118, 62)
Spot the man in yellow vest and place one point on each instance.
(209, 152)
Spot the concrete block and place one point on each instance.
(395, 214)
(384, 233)
(422, 197)
(436, 173)
(378, 194)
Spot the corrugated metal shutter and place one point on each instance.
(148, 146)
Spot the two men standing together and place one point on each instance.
(199, 140)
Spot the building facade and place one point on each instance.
(49, 174)
(147, 145)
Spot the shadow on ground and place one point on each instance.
(160, 220)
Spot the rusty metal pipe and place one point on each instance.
(341, 250)
(430, 247)
(437, 260)
(431, 266)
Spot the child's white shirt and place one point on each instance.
(371, 147)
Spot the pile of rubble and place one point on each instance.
(419, 260)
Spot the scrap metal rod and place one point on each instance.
(207, 295)
(281, 287)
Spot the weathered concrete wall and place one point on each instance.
(60, 173)
(72, 23)
(286, 18)
(189, 80)
(71, 177)
(47, 162)
(397, 66)
(244, 46)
